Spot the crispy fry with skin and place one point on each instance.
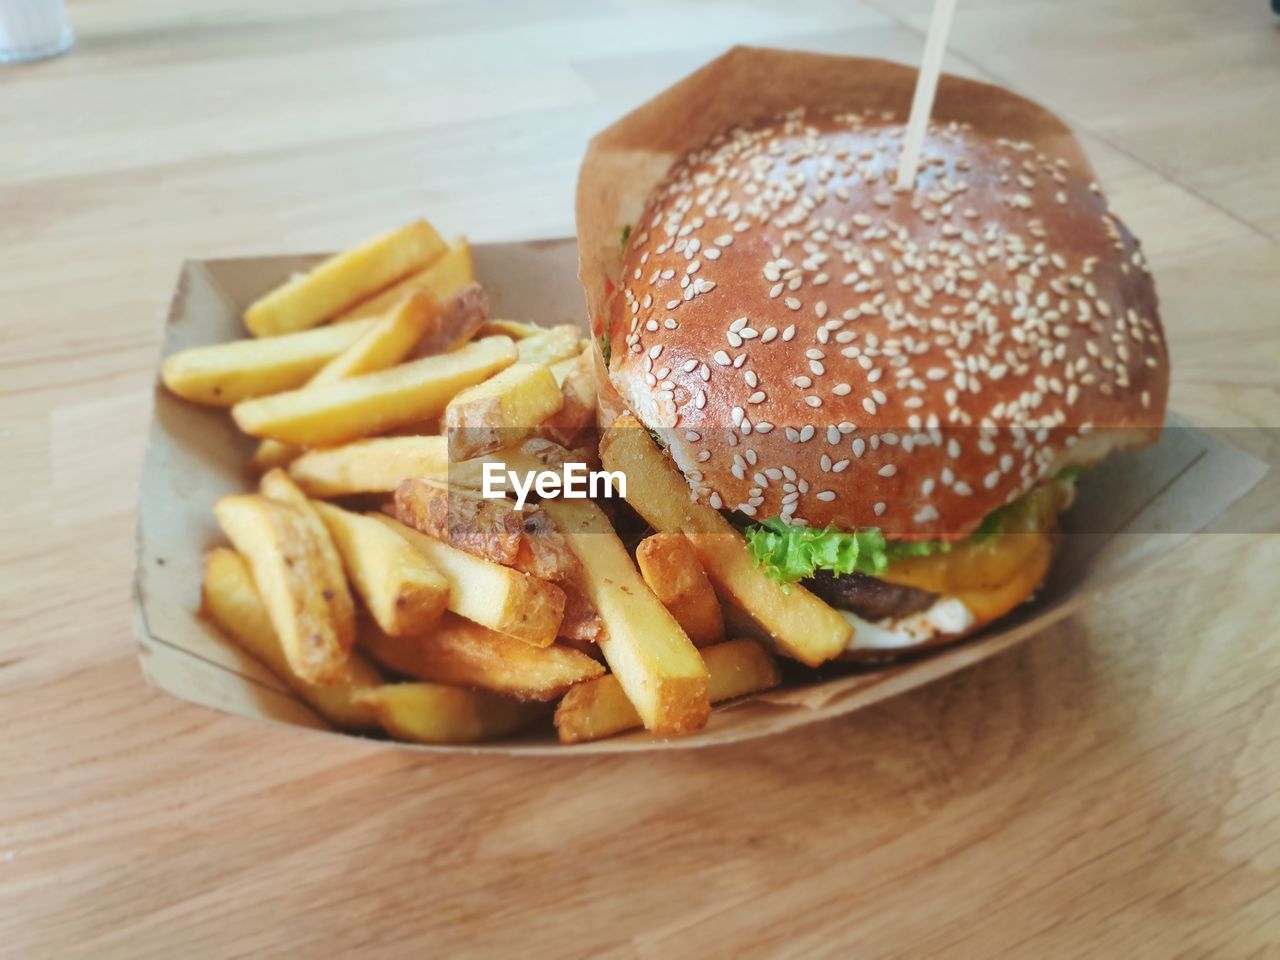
(342, 281)
(802, 626)
(550, 344)
(376, 465)
(403, 592)
(500, 411)
(223, 374)
(656, 664)
(670, 567)
(465, 654)
(582, 623)
(231, 602)
(373, 402)
(578, 409)
(489, 528)
(490, 594)
(306, 598)
(442, 279)
(459, 321)
(536, 453)
(435, 713)
(383, 345)
(599, 708)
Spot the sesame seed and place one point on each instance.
(888, 470)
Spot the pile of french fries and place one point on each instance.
(371, 575)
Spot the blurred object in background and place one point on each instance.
(33, 30)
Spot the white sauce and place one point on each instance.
(947, 616)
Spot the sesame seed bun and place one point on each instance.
(814, 344)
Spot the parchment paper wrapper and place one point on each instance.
(1135, 507)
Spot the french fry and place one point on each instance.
(670, 567)
(582, 625)
(577, 412)
(487, 527)
(329, 568)
(599, 708)
(377, 465)
(453, 271)
(465, 654)
(403, 592)
(223, 374)
(802, 626)
(501, 410)
(434, 713)
(515, 329)
(657, 666)
(460, 317)
(383, 345)
(344, 280)
(230, 600)
(310, 608)
(535, 454)
(548, 345)
(490, 594)
(374, 402)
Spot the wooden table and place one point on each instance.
(1109, 789)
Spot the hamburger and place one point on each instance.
(889, 392)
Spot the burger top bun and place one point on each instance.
(814, 344)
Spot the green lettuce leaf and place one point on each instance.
(790, 553)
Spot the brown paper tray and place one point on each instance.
(194, 455)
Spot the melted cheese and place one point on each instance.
(971, 567)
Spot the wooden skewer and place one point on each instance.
(935, 46)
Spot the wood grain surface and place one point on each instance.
(1107, 790)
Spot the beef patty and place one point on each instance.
(869, 598)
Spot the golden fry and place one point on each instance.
(310, 608)
(344, 280)
(670, 567)
(600, 708)
(230, 600)
(489, 528)
(401, 589)
(490, 594)
(500, 411)
(655, 663)
(577, 379)
(548, 345)
(802, 626)
(434, 713)
(383, 345)
(453, 271)
(377, 465)
(223, 374)
(515, 329)
(465, 654)
(374, 402)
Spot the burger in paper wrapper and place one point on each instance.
(888, 392)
